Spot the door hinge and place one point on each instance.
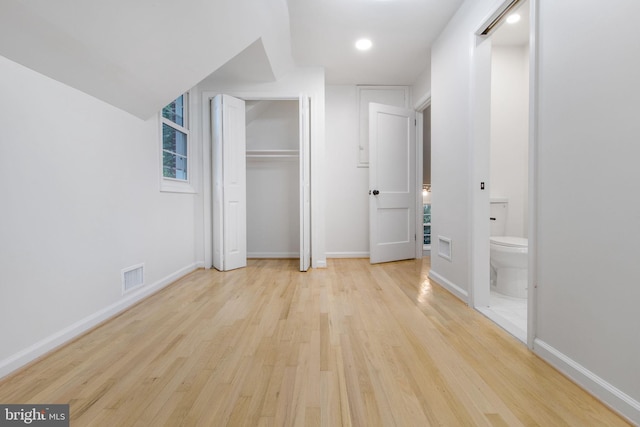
(415, 237)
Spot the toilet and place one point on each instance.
(508, 255)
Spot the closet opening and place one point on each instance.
(260, 180)
(273, 189)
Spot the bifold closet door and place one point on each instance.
(305, 187)
(230, 183)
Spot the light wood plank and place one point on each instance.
(350, 345)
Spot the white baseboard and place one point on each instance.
(319, 263)
(348, 254)
(65, 335)
(611, 396)
(454, 289)
(275, 255)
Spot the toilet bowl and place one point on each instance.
(508, 256)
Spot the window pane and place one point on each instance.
(175, 111)
(181, 167)
(168, 165)
(174, 140)
(174, 166)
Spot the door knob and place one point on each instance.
(376, 192)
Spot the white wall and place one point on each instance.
(510, 133)
(451, 123)
(347, 198)
(587, 132)
(421, 88)
(80, 201)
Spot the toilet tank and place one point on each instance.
(498, 216)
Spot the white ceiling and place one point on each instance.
(140, 55)
(323, 32)
(513, 34)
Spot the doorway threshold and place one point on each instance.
(504, 323)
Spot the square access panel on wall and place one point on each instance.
(444, 247)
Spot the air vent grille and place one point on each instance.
(132, 277)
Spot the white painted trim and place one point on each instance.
(63, 336)
(423, 102)
(419, 176)
(611, 396)
(364, 254)
(206, 142)
(532, 279)
(451, 287)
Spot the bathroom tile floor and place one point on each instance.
(508, 312)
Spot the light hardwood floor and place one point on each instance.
(352, 344)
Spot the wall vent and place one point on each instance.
(132, 277)
(444, 247)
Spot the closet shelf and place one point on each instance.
(272, 154)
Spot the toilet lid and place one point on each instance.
(514, 242)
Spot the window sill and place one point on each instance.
(171, 186)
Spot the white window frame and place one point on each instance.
(175, 185)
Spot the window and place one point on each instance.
(176, 153)
(175, 140)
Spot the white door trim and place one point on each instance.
(423, 103)
(304, 184)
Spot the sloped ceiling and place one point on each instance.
(139, 55)
(249, 66)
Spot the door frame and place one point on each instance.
(207, 169)
(480, 82)
(420, 106)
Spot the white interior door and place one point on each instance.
(392, 178)
(305, 193)
(230, 183)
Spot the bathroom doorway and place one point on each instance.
(500, 223)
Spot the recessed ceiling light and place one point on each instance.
(513, 18)
(364, 44)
